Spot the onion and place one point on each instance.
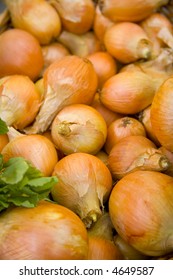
(121, 128)
(101, 245)
(162, 122)
(67, 81)
(20, 53)
(169, 156)
(45, 232)
(103, 156)
(19, 101)
(80, 45)
(104, 65)
(37, 149)
(127, 42)
(159, 30)
(52, 52)
(108, 115)
(100, 24)
(84, 185)
(128, 92)
(133, 10)
(77, 16)
(144, 118)
(39, 84)
(37, 17)
(79, 128)
(141, 210)
(3, 141)
(135, 153)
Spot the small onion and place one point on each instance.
(128, 92)
(103, 156)
(127, 42)
(84, 185)
(108, 115)
(121, 128)
(141, 210)
(37, 149)
(20, 53)
(37, 17)
(45, 232)
(19, 101)
(133, 153)
(67, 81)
(79, 128)
(162, 114)
(104, 65)
(3, 141)
(76, 16)
(133, 10)
(80, 45)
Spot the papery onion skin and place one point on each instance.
(76, 16)
(19, 100)
(20, 53)
(37, 149)
(127, 42)
(125, 10)
(37, 17)
(84, 185)
(67, 81)
(162, 122)
(121, 128)
(133, 153)
(128, 92)
(45, 232)
(140, 207)
(79, 128)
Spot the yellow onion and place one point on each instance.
(159, 30)
(100, 24)
(121, 128)
(162, 114)
(20, 53)
(127, 42)
(37, 149)
(45, 232)
(128, 92)
(19, 100)
(52, 52)
(133, 153)
(3, 141)
(100, 237)
(79, 128)
(81, 45)
(104, 65)
(128, 252)
(103, 156)
(67, 81)
(37, 17)
(144, 118)
(141, 210)
(84, 185)
(39, 85)
(108, 115)
(133, 10)
(77, 16)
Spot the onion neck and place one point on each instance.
(13, 133)
(144, 49)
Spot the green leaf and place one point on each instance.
(14, 170)
(3, 127)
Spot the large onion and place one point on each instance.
(141, 210)
(45, 232)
